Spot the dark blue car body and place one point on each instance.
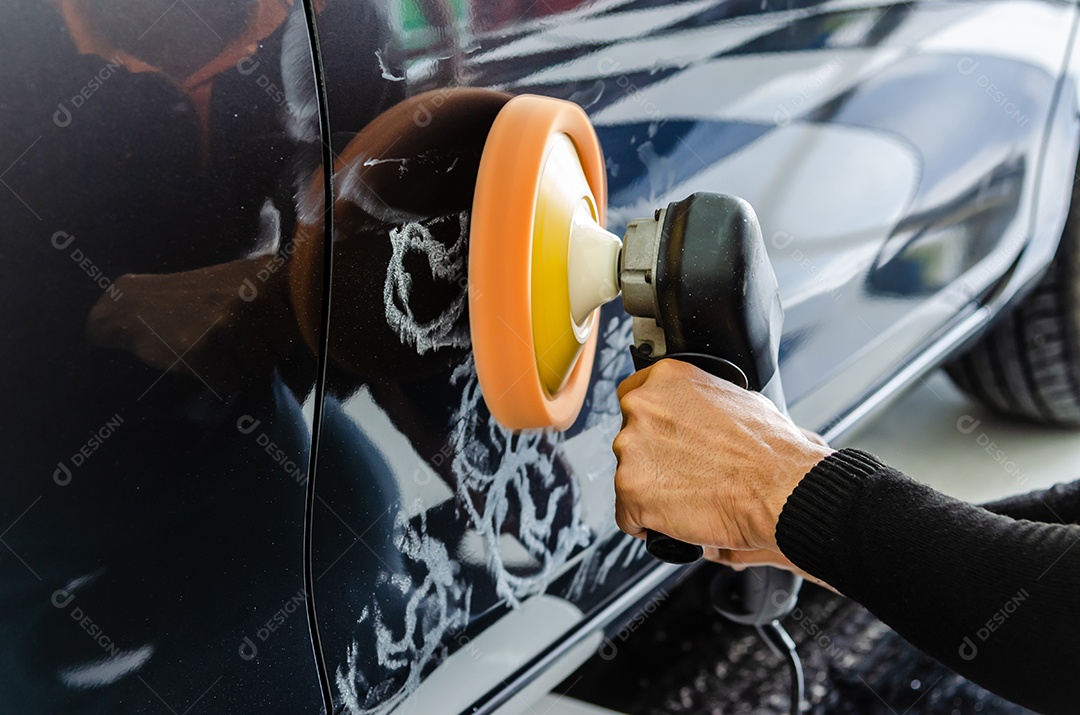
(247, 464)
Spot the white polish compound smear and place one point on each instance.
(447, 264)
(612, 366)
(500, 467)
(595, 568)
(107, 670)
(495, 470)
(437, 607)
(604, 420)
(386, 72)
(298, 81)
(507, 485)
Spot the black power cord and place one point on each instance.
(780, 642)
(760, 597)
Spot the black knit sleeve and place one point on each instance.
(1060, 504)
(994, 598)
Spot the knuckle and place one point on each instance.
(671, 368)
(621, 444)
(666, 368)
(631, 401)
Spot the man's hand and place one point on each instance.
(704, 461)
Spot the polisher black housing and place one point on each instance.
(716, 292)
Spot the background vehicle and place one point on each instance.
(222, 496)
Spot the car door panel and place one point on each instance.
(852, 130)
(155, 438)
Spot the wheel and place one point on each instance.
(1028, 365)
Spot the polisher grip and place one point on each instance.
(662, 546)
(673, 551)
(716, 301)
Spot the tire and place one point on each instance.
(1028, 365)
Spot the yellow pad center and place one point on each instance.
(562, 192)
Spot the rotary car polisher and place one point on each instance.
(695, 277)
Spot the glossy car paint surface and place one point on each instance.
(894, 186)
(155, 445)
(159, 430)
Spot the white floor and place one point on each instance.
(937, 435)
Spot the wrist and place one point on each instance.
(795, 468)
(816, 520)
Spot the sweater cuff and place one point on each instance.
(813, 525)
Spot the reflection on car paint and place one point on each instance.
(153, 521)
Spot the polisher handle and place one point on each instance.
(665, 548)
(717, 302)
(662, 546)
